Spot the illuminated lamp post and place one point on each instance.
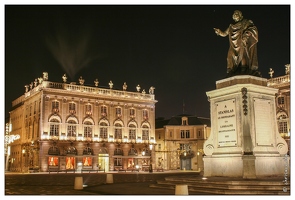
(151, 166)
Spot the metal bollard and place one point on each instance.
(181, 190)
(109, 179)
(78, 183)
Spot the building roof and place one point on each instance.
(177, 121)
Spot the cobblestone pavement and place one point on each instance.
(129, 183)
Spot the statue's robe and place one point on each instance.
(242, 53)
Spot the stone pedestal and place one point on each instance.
(244, 139)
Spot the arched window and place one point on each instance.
(54, 127)
(145, 132)
(132, 132)
(87, 151)
(71, 150)
(146, 152)
(72, 128)
(88, 129)
(103, 130)
(118, 131)
(118, 152)
(53, 150)
(132, 151)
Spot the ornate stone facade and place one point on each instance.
(66, 126)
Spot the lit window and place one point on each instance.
(117, 161)
(283, 127)
(103, 130)
(71, 128)
(87, 129)
(53, 161)
(54, 127)
(132, 132)
(87, 161)
(145, 132)
(118, 131)
(70, 162)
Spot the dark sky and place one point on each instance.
(171, 47)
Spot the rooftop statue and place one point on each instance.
(242, 53)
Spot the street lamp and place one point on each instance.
(151, 166)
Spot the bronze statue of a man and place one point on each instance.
(242, 53)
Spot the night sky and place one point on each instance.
(171, 47)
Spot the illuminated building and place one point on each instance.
(70, 127)
(282, 83)
(180, 142)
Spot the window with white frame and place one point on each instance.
(117, 161)
(71, 129)
(132, 132)
(88, 129)
(54, 127)
(145, 132)
(282, 123)
(118, 131)
(103, 130)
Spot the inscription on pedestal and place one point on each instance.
(226, 120)
(263, 124)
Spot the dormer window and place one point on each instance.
(184, 121)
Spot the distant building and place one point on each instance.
(180, 142)
(69, 126)
(283, 102)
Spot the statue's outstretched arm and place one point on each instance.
(221, 33)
